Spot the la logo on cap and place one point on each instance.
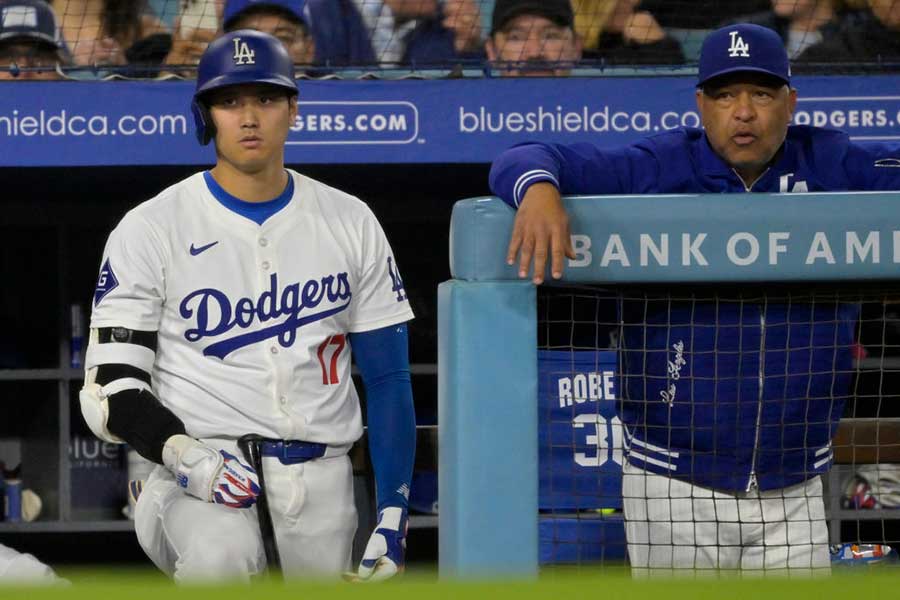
(738, 46)
(243, 55)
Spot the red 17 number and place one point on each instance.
(330, 375)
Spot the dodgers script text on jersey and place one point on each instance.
(276, 359)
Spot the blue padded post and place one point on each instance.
(487, 450)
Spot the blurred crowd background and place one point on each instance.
(60, 39)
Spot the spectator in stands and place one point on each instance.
(341, 34)
(800, 23)
(533, 38)
(867, 36)
(113, 32)
(288, 20)
(699, 14)
(618, 33)
(423, 32)
(194, 28)
(463, 19)
(451, 31)
(29, 39)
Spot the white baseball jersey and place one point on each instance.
(253, 319)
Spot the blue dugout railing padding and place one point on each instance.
(487, 354)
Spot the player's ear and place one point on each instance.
(292, 107)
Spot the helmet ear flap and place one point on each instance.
(206, 130)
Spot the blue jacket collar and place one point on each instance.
(714, 166)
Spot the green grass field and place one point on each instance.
(562, 585)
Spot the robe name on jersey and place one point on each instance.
(214, 314)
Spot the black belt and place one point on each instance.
(292, 452)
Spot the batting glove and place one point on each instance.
(386, 549)
(209, 474)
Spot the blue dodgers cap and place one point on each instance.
(743, 47)
(28, 20)
(234, 9)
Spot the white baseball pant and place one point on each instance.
(671, 525)
(17, 568)
(312, 511)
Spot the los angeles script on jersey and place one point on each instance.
(214, 313)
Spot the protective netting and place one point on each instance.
(758, 427)
(150, 38)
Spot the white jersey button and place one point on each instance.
(265, 265)
(283, 400)
(263, 242)
(274, 349)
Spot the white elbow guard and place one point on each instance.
(101, 354)
(95, 409)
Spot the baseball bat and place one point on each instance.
(249, 446)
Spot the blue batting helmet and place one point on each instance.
(239, 57)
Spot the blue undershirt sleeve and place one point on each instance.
(382, 356)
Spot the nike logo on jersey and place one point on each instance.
(215, 315)
(196, 251)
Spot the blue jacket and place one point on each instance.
(681, 161)
(727, 394)
(734, 394)
(340, 34)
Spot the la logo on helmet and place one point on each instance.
(243, 55)
(738, 46)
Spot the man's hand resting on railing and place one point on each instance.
(541, 230)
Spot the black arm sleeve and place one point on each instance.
(136, 415)
(139, 418)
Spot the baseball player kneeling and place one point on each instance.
(228, 305)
